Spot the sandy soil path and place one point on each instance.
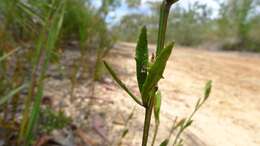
(231, 116)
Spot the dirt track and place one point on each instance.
(232, 114)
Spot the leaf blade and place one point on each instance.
(156, 72)
(141, 57)
(207, 90)
(121, 84)
(157, 106)
(8, 54)
(165, 142)
(12, 93)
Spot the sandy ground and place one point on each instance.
(230, 117)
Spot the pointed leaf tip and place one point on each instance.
(165, 142)
(207, 90)
(141, 58)
(156, 72)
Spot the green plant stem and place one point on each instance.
(147, 120)
(8, 54)
(164, 13)
(34, 114)
(12, 93)
(28, 98)
(177, 136)
(155, 132)
(188, 119)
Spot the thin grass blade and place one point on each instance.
(29, 11)
(8, 54)
(12, 93)
(54, 32)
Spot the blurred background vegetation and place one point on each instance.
(234, 26)
(88, 23)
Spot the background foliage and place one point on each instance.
(234, 28)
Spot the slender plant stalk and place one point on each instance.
(147, 122)
(148, 77)
(8, 54)
(163, 20)
(187, 122)
(45, 46)
(12, 93)
(155, 133)
(125, 132)
(17, 79)
(164, 13)
(28, 99)
(33, 82)
(54, 31)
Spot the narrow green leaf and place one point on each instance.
(142, 58)
(34, 114)
(156, 72)
(125, 133)
(165, 142)
(157, 106)
(187, 124)
(198, 103)
(29, 11)
(181, 123)
(180, 143)
(12, 93)
(207, 90)
(8, 54)
(53, 33)
(121, 84)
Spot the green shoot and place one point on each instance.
(142, 58)
(12, 93)
(45, 48)
(185, 123)
(8, 54)
(157, 108)
(148, 78)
